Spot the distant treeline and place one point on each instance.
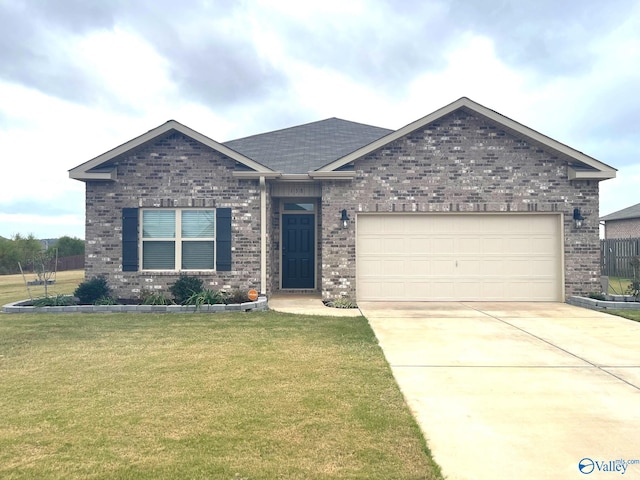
(26, 250)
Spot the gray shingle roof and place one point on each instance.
(624, 214)
(304, 148)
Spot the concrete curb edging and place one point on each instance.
(618, 303)
(258, 305)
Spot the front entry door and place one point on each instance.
(298, 250)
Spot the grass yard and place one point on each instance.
(630, 314)
(618, 285)
(201, 396)
(12, 287)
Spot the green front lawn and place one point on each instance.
(224, 396)
(630, 314)
(620, 286)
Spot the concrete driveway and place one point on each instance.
(517, 390)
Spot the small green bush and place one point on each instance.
(597, 296)
(236, 296)
(154, 298)
(185, 287)
(55, 301)
(105, 301)
(90, 291)
(343, 302)
(634, 287)
(206, 297)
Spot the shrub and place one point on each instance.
(154, 298)
(105, 301)
(90, 291)
(55, 301)
(185, 287)
(634, 287)
(597, 296)
(343, 302)
(206, 297)
(236, 296)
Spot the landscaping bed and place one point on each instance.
(606, 302)
(26, 306)
(187, 294)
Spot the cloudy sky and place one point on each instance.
(79, 77)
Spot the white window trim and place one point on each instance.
(177, 240)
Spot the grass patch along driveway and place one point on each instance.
(226, 396)
(630, 314)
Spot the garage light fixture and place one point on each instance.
(577, 218)
(344, 219)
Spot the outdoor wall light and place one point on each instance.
(577, 218)
(344, 218)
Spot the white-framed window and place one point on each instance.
(178, 239)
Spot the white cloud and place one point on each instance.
(620, 192)
(311, 9)
(34, 151)
(42, 226)
(289, 62)
(127, 67)
(473, 70)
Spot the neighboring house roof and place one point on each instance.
(581, 166)
(624, 214)
(308, 147)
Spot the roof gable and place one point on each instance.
(98, 168)
(324, 149)
(585, 167)
(624, 214)
(307, 147)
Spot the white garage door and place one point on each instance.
(456, 257)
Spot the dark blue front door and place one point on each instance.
(298, 258)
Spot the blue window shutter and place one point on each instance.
(129, 239)
(223, 239)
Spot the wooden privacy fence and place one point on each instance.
(616, 255)
(76, 262)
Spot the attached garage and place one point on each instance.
(459, 257)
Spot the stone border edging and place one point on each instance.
(595, 304)
(260, 304)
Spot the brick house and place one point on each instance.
(624, 223)
(462, 204)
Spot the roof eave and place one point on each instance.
(83, 171)
(591, 174)
(332, 175)
(605, 171)
(294, 177)
(615, 219)
(256, 175)
(84, 176)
